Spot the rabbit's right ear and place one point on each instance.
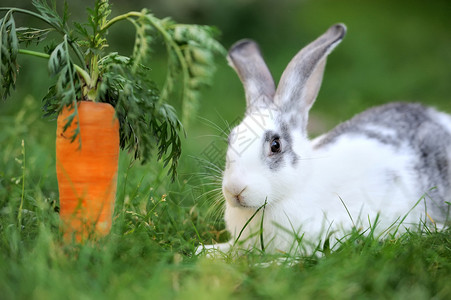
(245, 57)
(301, 80)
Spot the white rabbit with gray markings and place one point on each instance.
(391, 163)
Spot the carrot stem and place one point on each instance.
(121, 17)
(79, 69)
(34, 53)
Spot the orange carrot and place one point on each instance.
(87, 175)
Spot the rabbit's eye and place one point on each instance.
(275, 145)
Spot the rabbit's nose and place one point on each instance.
(239, 196)
(235, 194)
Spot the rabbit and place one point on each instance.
(386, 169)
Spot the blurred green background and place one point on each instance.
(394, 50)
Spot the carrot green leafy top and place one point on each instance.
(83, 69)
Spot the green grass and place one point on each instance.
(393, 51)
(158, 225)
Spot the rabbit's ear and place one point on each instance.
(245, 57)
(301, 80)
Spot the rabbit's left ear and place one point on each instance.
(245, 57)
(301, 80)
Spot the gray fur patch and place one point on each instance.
(278, 160)
(414, 125)
(284, 128)
(432, 143)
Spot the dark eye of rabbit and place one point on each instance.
(275, 145)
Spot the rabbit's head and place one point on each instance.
(267, 148)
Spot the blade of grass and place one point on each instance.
(247, 223)
(19, 215)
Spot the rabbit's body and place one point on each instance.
(364, 168)
(418, 133)
(389, 165)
